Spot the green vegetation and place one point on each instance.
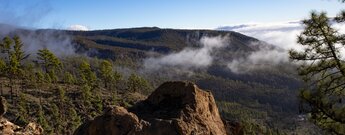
(78, 88)
(324, 72)
(68, 91)
(56, 93)
(136, 83)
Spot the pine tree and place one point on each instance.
(2, 73)
(57, 120)
(13, 57)
(41, 120)
(62, 101)
(39, 77)
(20, 55)
(5, 47)
(117, 77)
(87, 76)
(18, 50)
(61, 95)
(23, 113)
(74, 119)
(50, 63)
(136, 83)
(28, 76)
(2, 67)
(106, 71)
(98, 103)
(69, 78)
(13, 71)
(323, 70)
(86, 95)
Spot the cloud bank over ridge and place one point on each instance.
(283, 35)
(189, 58)
(78, 27)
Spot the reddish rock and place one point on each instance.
(8, 128)
(115, 121)
(174, 108)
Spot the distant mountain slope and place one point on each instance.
(139, 43)
(136, 41)
(132, 42)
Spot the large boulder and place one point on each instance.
(174, 108)
(115, 121)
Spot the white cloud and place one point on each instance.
(283, 35)
(261, 59)
(78, 27)
(189, 58)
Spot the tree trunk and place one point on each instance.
(11, 89)
(40, 99)
(17, 89)
(1, 87)
(105, 84)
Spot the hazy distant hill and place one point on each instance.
(136, 42)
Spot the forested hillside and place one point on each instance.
(62, 91)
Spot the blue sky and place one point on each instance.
(108, 14)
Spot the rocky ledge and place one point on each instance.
(174, 108)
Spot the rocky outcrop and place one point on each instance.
(115, 120)
(174, 108)
(8, 128)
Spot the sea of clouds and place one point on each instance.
(282, 35)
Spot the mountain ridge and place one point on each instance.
(265, 96)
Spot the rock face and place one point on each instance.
(115, 121)
(174, 108)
